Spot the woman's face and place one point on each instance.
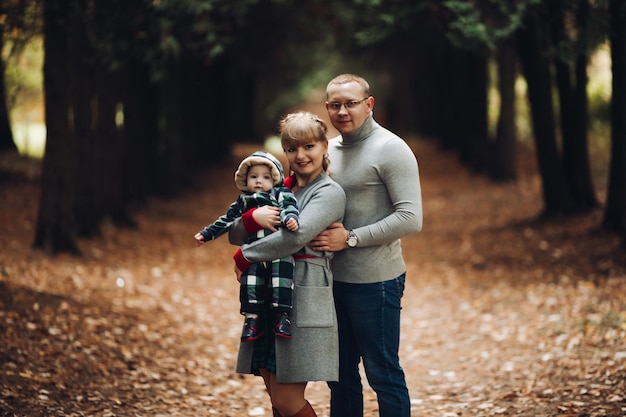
(306, 159)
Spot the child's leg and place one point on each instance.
(282, 295)
(252, 296)
(252, 289)
(282, 284)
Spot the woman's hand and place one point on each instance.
(267, 217)
(238, 274)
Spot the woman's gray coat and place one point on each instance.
(312, 354)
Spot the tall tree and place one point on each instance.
(88, 40)
(6, 134)
(571, 79)
(56, 227)
(111, 150)
(490, 25)
(84, 115)
(615, 211)
(430, 49)
(503, 161)
(566, 32)
(533, 41)
(464, 89)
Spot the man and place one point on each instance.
(379, 174)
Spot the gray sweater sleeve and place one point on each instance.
(320, 205)
(237, 233)
(398, 170)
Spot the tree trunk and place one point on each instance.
(503, 163)
(6, 134)
(111, 151)
(196, 101)
(399, 103)
(218, 110)
(170, 170)
(55, 230)
(85, 111)
(140, 124)
(429, 45)
(451, 90)
(615, 212)
(170, 148)
(536, 69)
(241, 97)
(464, 89)
(474, 128)
(574, 111)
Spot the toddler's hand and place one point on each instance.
(292, 224)
(199, 239)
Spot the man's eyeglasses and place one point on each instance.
(335, 106)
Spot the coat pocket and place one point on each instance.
(315, 306)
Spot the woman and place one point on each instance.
(286, 365)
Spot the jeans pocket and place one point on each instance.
(314, 306)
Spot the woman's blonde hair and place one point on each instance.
(300, 128)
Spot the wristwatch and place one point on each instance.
(352, 239)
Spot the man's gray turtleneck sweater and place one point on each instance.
(379, 174)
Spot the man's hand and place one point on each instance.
(333, 239)
(268, 217)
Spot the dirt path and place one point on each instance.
(502, 316)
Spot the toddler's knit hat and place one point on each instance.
(259, 158)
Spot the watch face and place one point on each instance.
(352, 241)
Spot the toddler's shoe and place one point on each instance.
(282, 325)
(251, 329)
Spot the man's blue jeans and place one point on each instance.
(369, 327)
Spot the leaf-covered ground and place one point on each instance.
(503, 315)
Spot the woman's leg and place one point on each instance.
(288, 399)
(266, 379)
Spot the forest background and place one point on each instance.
(139, 95)
(136, 99)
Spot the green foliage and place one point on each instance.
(370, 22)
(287, 43)
(484, 23)
(203, 26)
(157, 32)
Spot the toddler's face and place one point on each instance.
(259, 178)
